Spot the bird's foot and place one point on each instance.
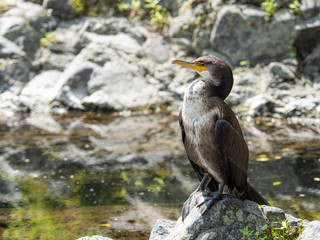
(204, 200)
(209, 199)
(194, 200)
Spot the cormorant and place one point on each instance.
(212, 136)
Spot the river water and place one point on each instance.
(64, 177)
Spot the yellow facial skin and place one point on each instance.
(197, 66)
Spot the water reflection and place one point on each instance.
(116, 176)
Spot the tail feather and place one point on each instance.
(251, 194)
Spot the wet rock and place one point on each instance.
(44, 122)
(10, 192)
(250, 37)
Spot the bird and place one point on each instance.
(212, 137)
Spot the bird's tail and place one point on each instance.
(251, 194)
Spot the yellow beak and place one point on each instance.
(192, 65)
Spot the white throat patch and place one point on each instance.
(205, 74)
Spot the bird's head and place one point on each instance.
(212, 69)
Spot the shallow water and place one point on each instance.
(67, 177)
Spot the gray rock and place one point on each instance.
(308, 36)
(41, 90)
(9, 49)
(181, 26)
(25, 24)
(122, 42)
(12, 27)
(114, 26)
(201, 39)
(300, 107)
(161, 229)
(16, 73)
(119, 86)
(312, 63)
(223, 221)
(311, 231)
(241, 33)
(259, 105)
(274, 215)
(281, 70)
(157, 49)
(9, 104)
(75, 83)
(60, 8)
(310, 8)
(226, 219)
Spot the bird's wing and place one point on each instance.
(213, 185)
(234, 155)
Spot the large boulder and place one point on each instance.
(308, 36)
(241, 33)
(41, 90)
(225, 220)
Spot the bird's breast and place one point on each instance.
(199, 125)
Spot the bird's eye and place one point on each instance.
(203, 64)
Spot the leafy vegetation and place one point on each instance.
(50, 37)
(157, 13)
(295, 7)
(270, 7)
(285, 231)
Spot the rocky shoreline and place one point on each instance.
(53, 64)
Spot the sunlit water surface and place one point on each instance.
(68, 177)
